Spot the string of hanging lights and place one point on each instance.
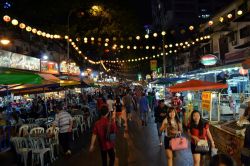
(183, 45)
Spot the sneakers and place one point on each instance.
(68, 152)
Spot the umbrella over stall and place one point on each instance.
(196, 85)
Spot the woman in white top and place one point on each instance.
(172, 126)
(110, 103)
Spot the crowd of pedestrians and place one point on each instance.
(167, 119)
(112, 104)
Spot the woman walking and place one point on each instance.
(198, 130)
(118, 110)
(172, 126)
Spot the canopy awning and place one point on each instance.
(50, 77)
(18, 77)
(196, 85)
(69, 82)
(167, 80)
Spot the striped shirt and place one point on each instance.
(62, 120)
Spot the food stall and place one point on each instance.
(160, 84)
(226, 135)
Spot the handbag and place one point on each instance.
(202, 146)
(110, 136)
(178, 143)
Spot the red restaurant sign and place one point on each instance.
(49, 67)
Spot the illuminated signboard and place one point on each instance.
(49, 67)
(18, 61)
(209, 60)
(69, 68)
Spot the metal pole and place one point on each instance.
(219, 106)
(164, 56)
(67, 62)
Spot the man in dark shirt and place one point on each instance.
(160, 115)
(100, 132)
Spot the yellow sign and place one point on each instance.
(153, 65)
(206, 95)
(206, 101)
(205, 105)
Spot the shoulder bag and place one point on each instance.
(202, 146)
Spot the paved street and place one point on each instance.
(137, 147)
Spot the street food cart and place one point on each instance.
(226, 136)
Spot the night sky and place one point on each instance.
(48, 12)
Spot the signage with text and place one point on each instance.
(49, 67)
(153, 65)
(69, 68)
(206, 101)
(18, 61)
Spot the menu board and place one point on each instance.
(49, 67)
(70, 68)
(18, 61)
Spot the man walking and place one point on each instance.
(160, 115)
(100, 131)
(64, 121)
(144, 108)
(128, 103)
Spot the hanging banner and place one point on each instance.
(18, 61)
(206, 101)
(153, 65)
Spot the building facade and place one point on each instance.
(177, 13)
(230, 38)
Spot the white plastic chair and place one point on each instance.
(89, 121)
(40, 121)
(21, 147)
(49, 125)
(23, 130)
(53, 141)
(75, 127)
(38, 149)
(30, 120)
(37, 130)
(80, 121)
(32, 125)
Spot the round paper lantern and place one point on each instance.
(28, 28)
(209, 60)
(243, 71)
(210, 23)
(14, 22)
(191, 28)
(6, 18)
(22, 25)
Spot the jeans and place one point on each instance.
(158, 124)
(144, 116)
(111, 154)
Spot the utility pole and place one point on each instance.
(164, 54)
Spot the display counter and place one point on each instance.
(227, 139)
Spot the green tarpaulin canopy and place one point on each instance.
(18, 77)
